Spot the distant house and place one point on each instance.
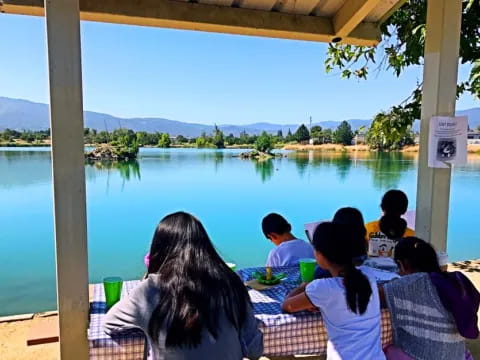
(473, 137)
(360, 138)
(416, 139)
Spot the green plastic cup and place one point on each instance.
(307, 269)
(113, 290)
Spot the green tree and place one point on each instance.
(142, 138)
(389, 132)
(89, 136)
(218, 139)
(123, 143)
(316, 132)
(279, 137)
(10, 135)
(164, 141)
(27, 136)
(7, 135)
(102, 137)
(402, 46)
(154, 138)
(180, 139)
(230, 140)
(244, 138)
(344, 134)
(202, 141)
(289, 136)
(264, 142)
(302, 134)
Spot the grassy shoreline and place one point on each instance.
(40, 144)
(471, 149)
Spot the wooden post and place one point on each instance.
(68, 164)
(439, 97)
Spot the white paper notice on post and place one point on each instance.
(447, 141)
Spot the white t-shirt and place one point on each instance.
(289, 252)
(351, 336)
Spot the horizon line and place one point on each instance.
(202, 124)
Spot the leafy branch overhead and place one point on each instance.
(402, 46)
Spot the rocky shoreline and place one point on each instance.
(258, 155)
(110, 153)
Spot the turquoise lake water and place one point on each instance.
(229, 195)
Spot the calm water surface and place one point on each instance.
(229, 195)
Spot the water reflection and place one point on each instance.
(127, 169)
(20, 168)
(301, 162)
(386, 168)
(344, 163)
(265, 168)
(218, 159)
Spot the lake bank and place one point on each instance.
(471, 148)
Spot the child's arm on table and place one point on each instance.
(297, 300)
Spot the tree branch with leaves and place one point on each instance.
(402, 46)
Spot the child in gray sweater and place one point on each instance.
(191, 305)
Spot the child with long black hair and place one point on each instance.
(432, 311)
(191, 305)
(348, 301)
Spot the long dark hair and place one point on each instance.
(194, 283)
(352, 217)
(338, 243)
(418, 254)
(394, 205)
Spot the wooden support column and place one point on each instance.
(66, 122)
(439, 97)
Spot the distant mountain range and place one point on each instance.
(21, 115)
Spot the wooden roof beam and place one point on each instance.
(201, 17)
(351, 14)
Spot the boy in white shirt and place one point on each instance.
(289, 250)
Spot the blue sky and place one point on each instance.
(199, 77)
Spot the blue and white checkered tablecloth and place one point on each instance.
(283, 334)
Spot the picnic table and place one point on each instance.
(283, 334)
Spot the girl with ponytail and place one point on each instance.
(391, 225)
(349, 301)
